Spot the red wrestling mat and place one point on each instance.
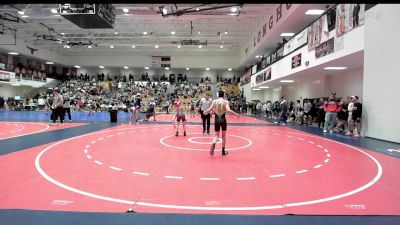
(16, 129)
(269, 170)
(197, 118)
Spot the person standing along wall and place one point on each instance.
(331, 107)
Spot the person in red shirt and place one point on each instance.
(331, 107)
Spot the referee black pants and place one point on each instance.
(206, 118)
(58, 112)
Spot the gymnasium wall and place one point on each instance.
(344, 84)
(381, 108)
(7, 90)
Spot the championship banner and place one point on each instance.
(263, 76)
(245, 78)
(324, 49)
(348, 17)
(318, 32)
(7, 76)
(299, 40)
(161, 61)
(296, 61)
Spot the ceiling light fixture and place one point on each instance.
(62, 33)
(221, 46)
(101, 67)
(166, 68)
(173, 32)
(314, 12)
(286, 81)
(226, 32)
(207, 68)
(145, 32)
(199, 32)
(125, 10)
(24, 16)
(76, 66)
(287, 34)
(197, 9)
(187, 69)
(54, 11)
(125, 67)
(256, 89)
(257, 56)
(115, 32)
(133, 46)
(335, 68)
(234, 9)
(146, 68)
(49, 63)
(111, 46)
(264, 87)
(230, 69)
(20, 12)
(89, 46)
(156, 46)
(200, 46)
(179, 46)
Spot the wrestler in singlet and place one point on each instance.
(220, 120)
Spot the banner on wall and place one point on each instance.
(254, 69)
(324, 49)
(245, 78)
(296, 61)
(263, 76)
(318, 32)
(7, 76)
(161, 61)
(348, 17)
(294, 43)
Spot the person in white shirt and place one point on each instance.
(205, 103)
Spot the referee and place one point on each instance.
(205, 103)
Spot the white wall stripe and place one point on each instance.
(326, 160)
(86, 151)
(301, 139)
(100, 139)
(110, 135)
(93, 142)
(319, 146)
(317, 166)
(328, 155)
(310, 142)
(87, 146)
(89, 156)
(326, 150)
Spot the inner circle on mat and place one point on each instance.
(191, 140)
(164, 141)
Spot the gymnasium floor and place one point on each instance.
(91, 166)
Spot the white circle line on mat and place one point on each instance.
(106, 198)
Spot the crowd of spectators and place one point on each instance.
(333, 114)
